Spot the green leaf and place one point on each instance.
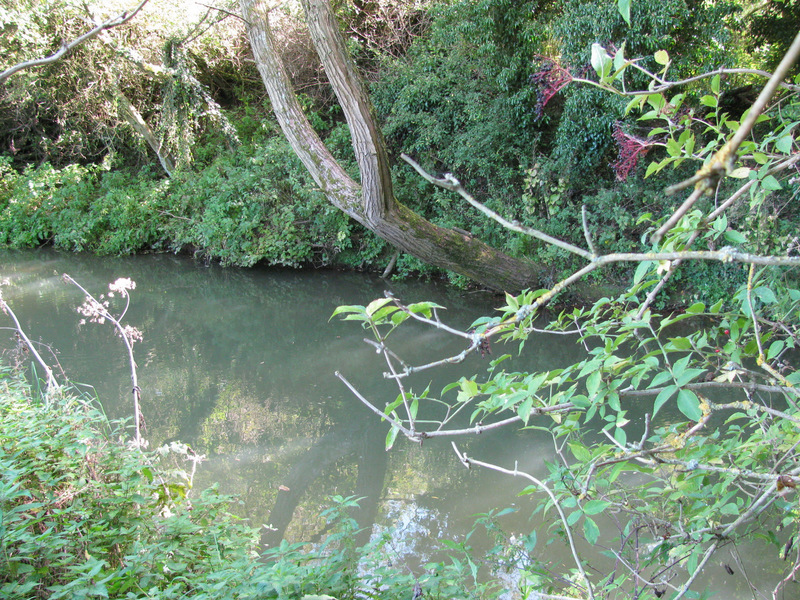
(770, 183)
(735, 237)
(691, 562)
(696, 308)
(642, 270)
(793, 378)
(624, 8)
(784, 144)
(591, 531)
(661, 57)
(580, 451)
(660, 378)
(384, 312)
(390, 408)
(681, 343)
(413, 409)
(594, 507)
(663, 396)
(620, 436)
(601, 61)
(766, 295)
(689, 405)
(740, 173)
(524, 409)
(373, 306)
(593, 383)
(775, 348)
(687, 376)
(426, 308)
(708, 100)
(391, 437)
(348, 309)
(399, 317)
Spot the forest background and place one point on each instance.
(478, 89)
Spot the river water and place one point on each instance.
(240, 365)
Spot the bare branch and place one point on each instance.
(394, 422)
(52, 384)
(451, 183)
(66, 48)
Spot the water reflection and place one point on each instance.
(239, 364)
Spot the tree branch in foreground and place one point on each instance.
(52, 384)
(67, 47)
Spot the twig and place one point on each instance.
(394, 422)
(685, 587)
(124, 334)
(52, 384)
(676, 216)
(722, 162)
(665, 86)
(789, 577)
(67, 47)
(586, 233)
(466, 461)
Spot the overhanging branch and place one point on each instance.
(66, 48)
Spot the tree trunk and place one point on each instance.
(372, 203)
(134, 118)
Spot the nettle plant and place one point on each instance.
(714, 459)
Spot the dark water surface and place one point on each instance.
(240, 365)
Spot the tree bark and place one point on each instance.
(372, 203)
(134, 118)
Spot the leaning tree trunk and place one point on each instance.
(372, 203)
(135, 119)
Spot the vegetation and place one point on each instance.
(86, 515)
(519, 138)
(544, 112)
(713, 461)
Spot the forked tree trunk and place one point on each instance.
(372, 203)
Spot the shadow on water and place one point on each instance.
(240, 365)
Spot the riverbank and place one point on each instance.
(258, 207)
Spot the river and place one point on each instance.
(240, 365)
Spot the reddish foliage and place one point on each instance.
(550, 79)
(630, 149)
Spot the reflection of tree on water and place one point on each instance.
(239, 364)
(327, 453)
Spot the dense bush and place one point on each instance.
(460, 86)
(256, 204)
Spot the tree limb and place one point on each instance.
(66, 48)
